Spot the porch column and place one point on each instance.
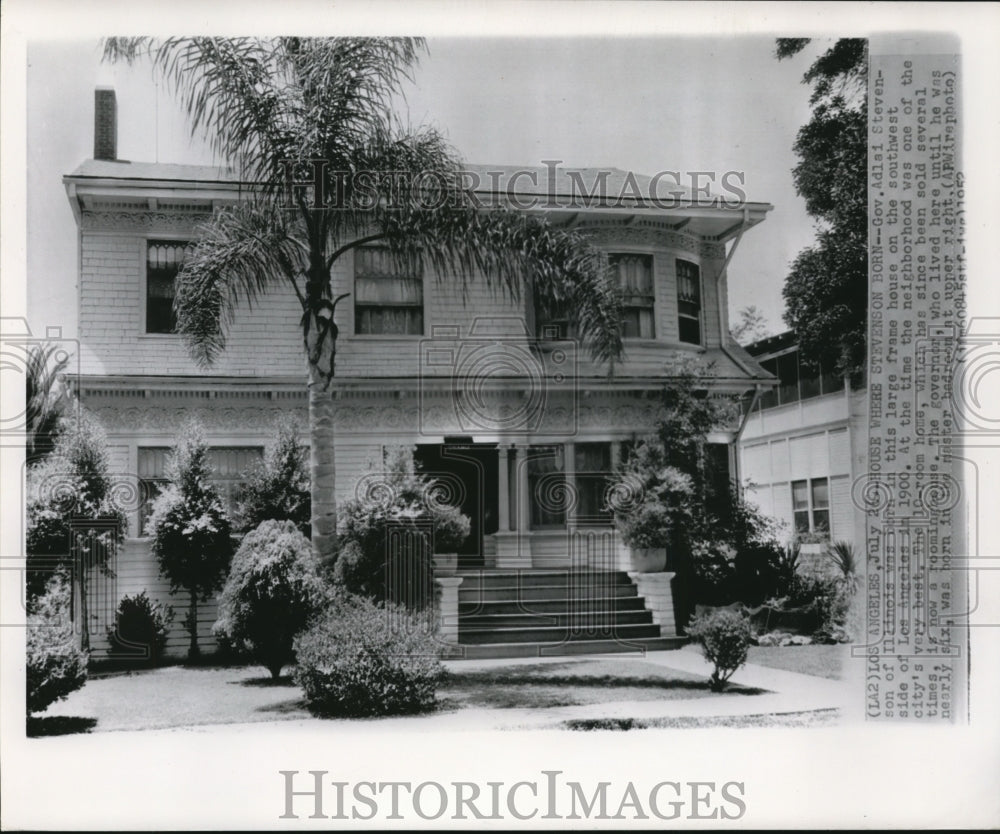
(503, 508)
(523, 498)
(569, 473)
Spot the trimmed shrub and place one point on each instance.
(366, 658)
(274, 588)
(278, 487)
(388, 535)
(55, 665)
(724, 637)
(140, 631)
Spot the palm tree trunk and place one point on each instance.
(322, 470)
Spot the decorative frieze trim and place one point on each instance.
(127, 221)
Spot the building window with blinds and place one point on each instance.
(635, 277)
(230, 466)
(164, 259)
(688, 302)
(388, 294)
(811, 505)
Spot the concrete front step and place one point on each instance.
(539, 577)
(555, 634)
(483, 651)
(578, 618)
(562, 605)
(512, 593)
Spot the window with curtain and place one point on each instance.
(164, 260)
(388, 294)
(229, 468)
(547, 486)
(689, 302)
(635, 277)
(593, 477)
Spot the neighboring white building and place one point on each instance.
(413, 357)
(803, 447)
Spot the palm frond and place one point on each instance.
(844, 557)
(243, 251)
(44, 397)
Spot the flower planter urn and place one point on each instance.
(445, 564)
(648, 559)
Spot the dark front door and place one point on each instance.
(469, 475)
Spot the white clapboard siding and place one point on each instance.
(841, 509)
(136, 571)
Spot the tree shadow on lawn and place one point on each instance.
(294, 706)
(58, 725)
(507, 677)
(265, 681)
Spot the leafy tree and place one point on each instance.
(278, 487)
(750, 326)
(826, 291)
(73, 521)
(189, 527)
(266, 103)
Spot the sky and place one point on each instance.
(642, 104)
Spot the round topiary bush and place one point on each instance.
(55, 665)
(140, 631)
(724, 636)
(366, 658)
(273, 589)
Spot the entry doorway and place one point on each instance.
(469, 474)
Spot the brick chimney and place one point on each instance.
(105, 123)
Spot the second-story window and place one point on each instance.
(164, 259)
(688, 302)
(388, 294)
(635, 277)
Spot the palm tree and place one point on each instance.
(271, 106)
(45, 398)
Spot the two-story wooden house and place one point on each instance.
(502, 407)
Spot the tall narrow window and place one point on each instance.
(689, 302)
(635, 277)
(164, 259)
(547, 486)
(593, 477)
(388, 294)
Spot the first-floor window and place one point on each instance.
(547, 486)
(811, 505)
(230, 466)
(593, 477)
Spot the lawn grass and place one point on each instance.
(819, 660)
(574, 683)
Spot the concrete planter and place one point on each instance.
(648, 559)
(445, 564)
